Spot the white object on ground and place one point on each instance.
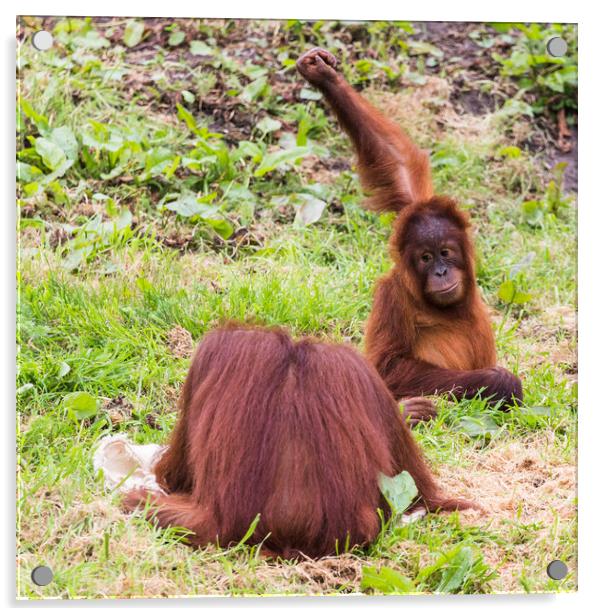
(417, 514)
(127, 466)
(119, 458)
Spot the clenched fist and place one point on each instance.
(317, 66)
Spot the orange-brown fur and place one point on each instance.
(418, 347)
(296, 432)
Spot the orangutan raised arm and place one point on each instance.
(429, 331)
(393, 170)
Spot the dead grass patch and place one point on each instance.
(428, 115)
(313, 167)
(180, 342)
(509, 477)
(550, 337)
(518, 483)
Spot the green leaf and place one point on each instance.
(509, 293)
(456, 571)
(58, 172)
(63, 137)
(58, 193)
(288, 141)
(41, 121)
(188, 96)
(75, 258)
(540, 411)
(386, 580)
(157, 159)
(81, 404)
(253, 71)
(25, 388)
(506, 291)
(27, 173)
(365, 66)
(52, 155)
(303, 129)
(123, 221)
(421, 47)
(268, 125)
(64, 369)
(133, 33)
(239, 193)
(478, 426)
(200, 48)
(222, 227)
(273, 160)
(322, 191)
(254, 90)
(175, 38)
(91, 40)
(445, 157)
(188, 118)
(308, 94)
(187, 204)
(502, 27)
(31, 189)
(309, 208)
(510, 151)
(248, 149)
(399, 491)
(513, 107)
(533, 212)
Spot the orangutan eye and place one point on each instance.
(426, 257)
(445, 252)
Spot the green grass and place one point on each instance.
(97, 305)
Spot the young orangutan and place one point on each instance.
(429, 331)
(297, 432)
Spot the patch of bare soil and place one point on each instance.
(119, 409)
(471, 65)
(570, 158)
(468, 62)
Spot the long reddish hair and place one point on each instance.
(297, 432)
